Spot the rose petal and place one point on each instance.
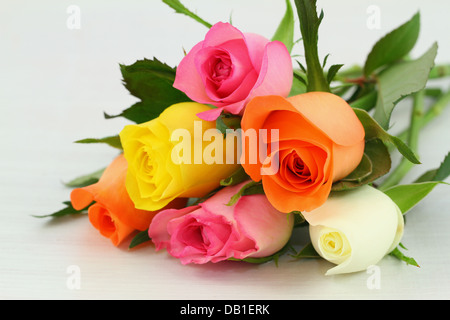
(110, 191)
(238, 245)
(108, 224)
(81, 198)
(369, 219)
(158, 231)
(276, 73)
(235, 53)
(256, 112)
(218, 203)
(256, 45)
(286, 201)
(188, 79)
(256, 225)
(210, 115)
(331, 114)
(220, 33)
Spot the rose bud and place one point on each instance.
(355, 229)
(319, 140)
(229, 67)
(213, 231)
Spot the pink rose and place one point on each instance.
(213, 231)
(229, 68)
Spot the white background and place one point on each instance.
(55, 84)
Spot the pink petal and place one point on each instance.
(158, 230)
(185, 237)
(220, 33)
(260, 221)
(241, 66)
(239, 245)
(217, 204)
(276, 72)
(188, 79)
(236, 54)
(210, 115)
(241, 92)
(256, 45)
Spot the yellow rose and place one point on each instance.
(176, 155)
(355, 229)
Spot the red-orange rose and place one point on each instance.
(113, 212)
(320, 141)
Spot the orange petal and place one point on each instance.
(346, 159)
(331, 114)
(256, 112)
(108, 224)
(323, 120)
(81, 198)
(287, 201)
(112, 200)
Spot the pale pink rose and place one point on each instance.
(228, 68)
(213, 231)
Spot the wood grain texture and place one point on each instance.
(56, 83)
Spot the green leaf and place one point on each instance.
(228, 122)
(376, 152)
(140, 238)
(254, 189)
(285, 30)
(393, 46)
(406, 196)
(365, 102)
(333, 71)
(139, 112)
(309, 27)
(444, 170)
(399, 255)
(152, 82)
(68, 210)
(85, 180)
(324, 63)
(180, 8)
(374, 131)
(307, 251)
(399, 81)
(299, 219)
(237, 177)
(248, 189)
(298, 85)
(362, 171)
(427, 176)
(438, 174)
(113, 141)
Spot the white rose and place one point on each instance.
(355, 229)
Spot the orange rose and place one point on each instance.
(113, 212)
(320, 141)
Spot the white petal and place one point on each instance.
(368, 218)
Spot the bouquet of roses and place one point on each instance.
(241, 144)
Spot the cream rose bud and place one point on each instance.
(355, 229)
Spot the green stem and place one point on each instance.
(440, 71)
(405, 165)
(309, 27)
(316, 77)
(433, 112)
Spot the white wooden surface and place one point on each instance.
(55, 84)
